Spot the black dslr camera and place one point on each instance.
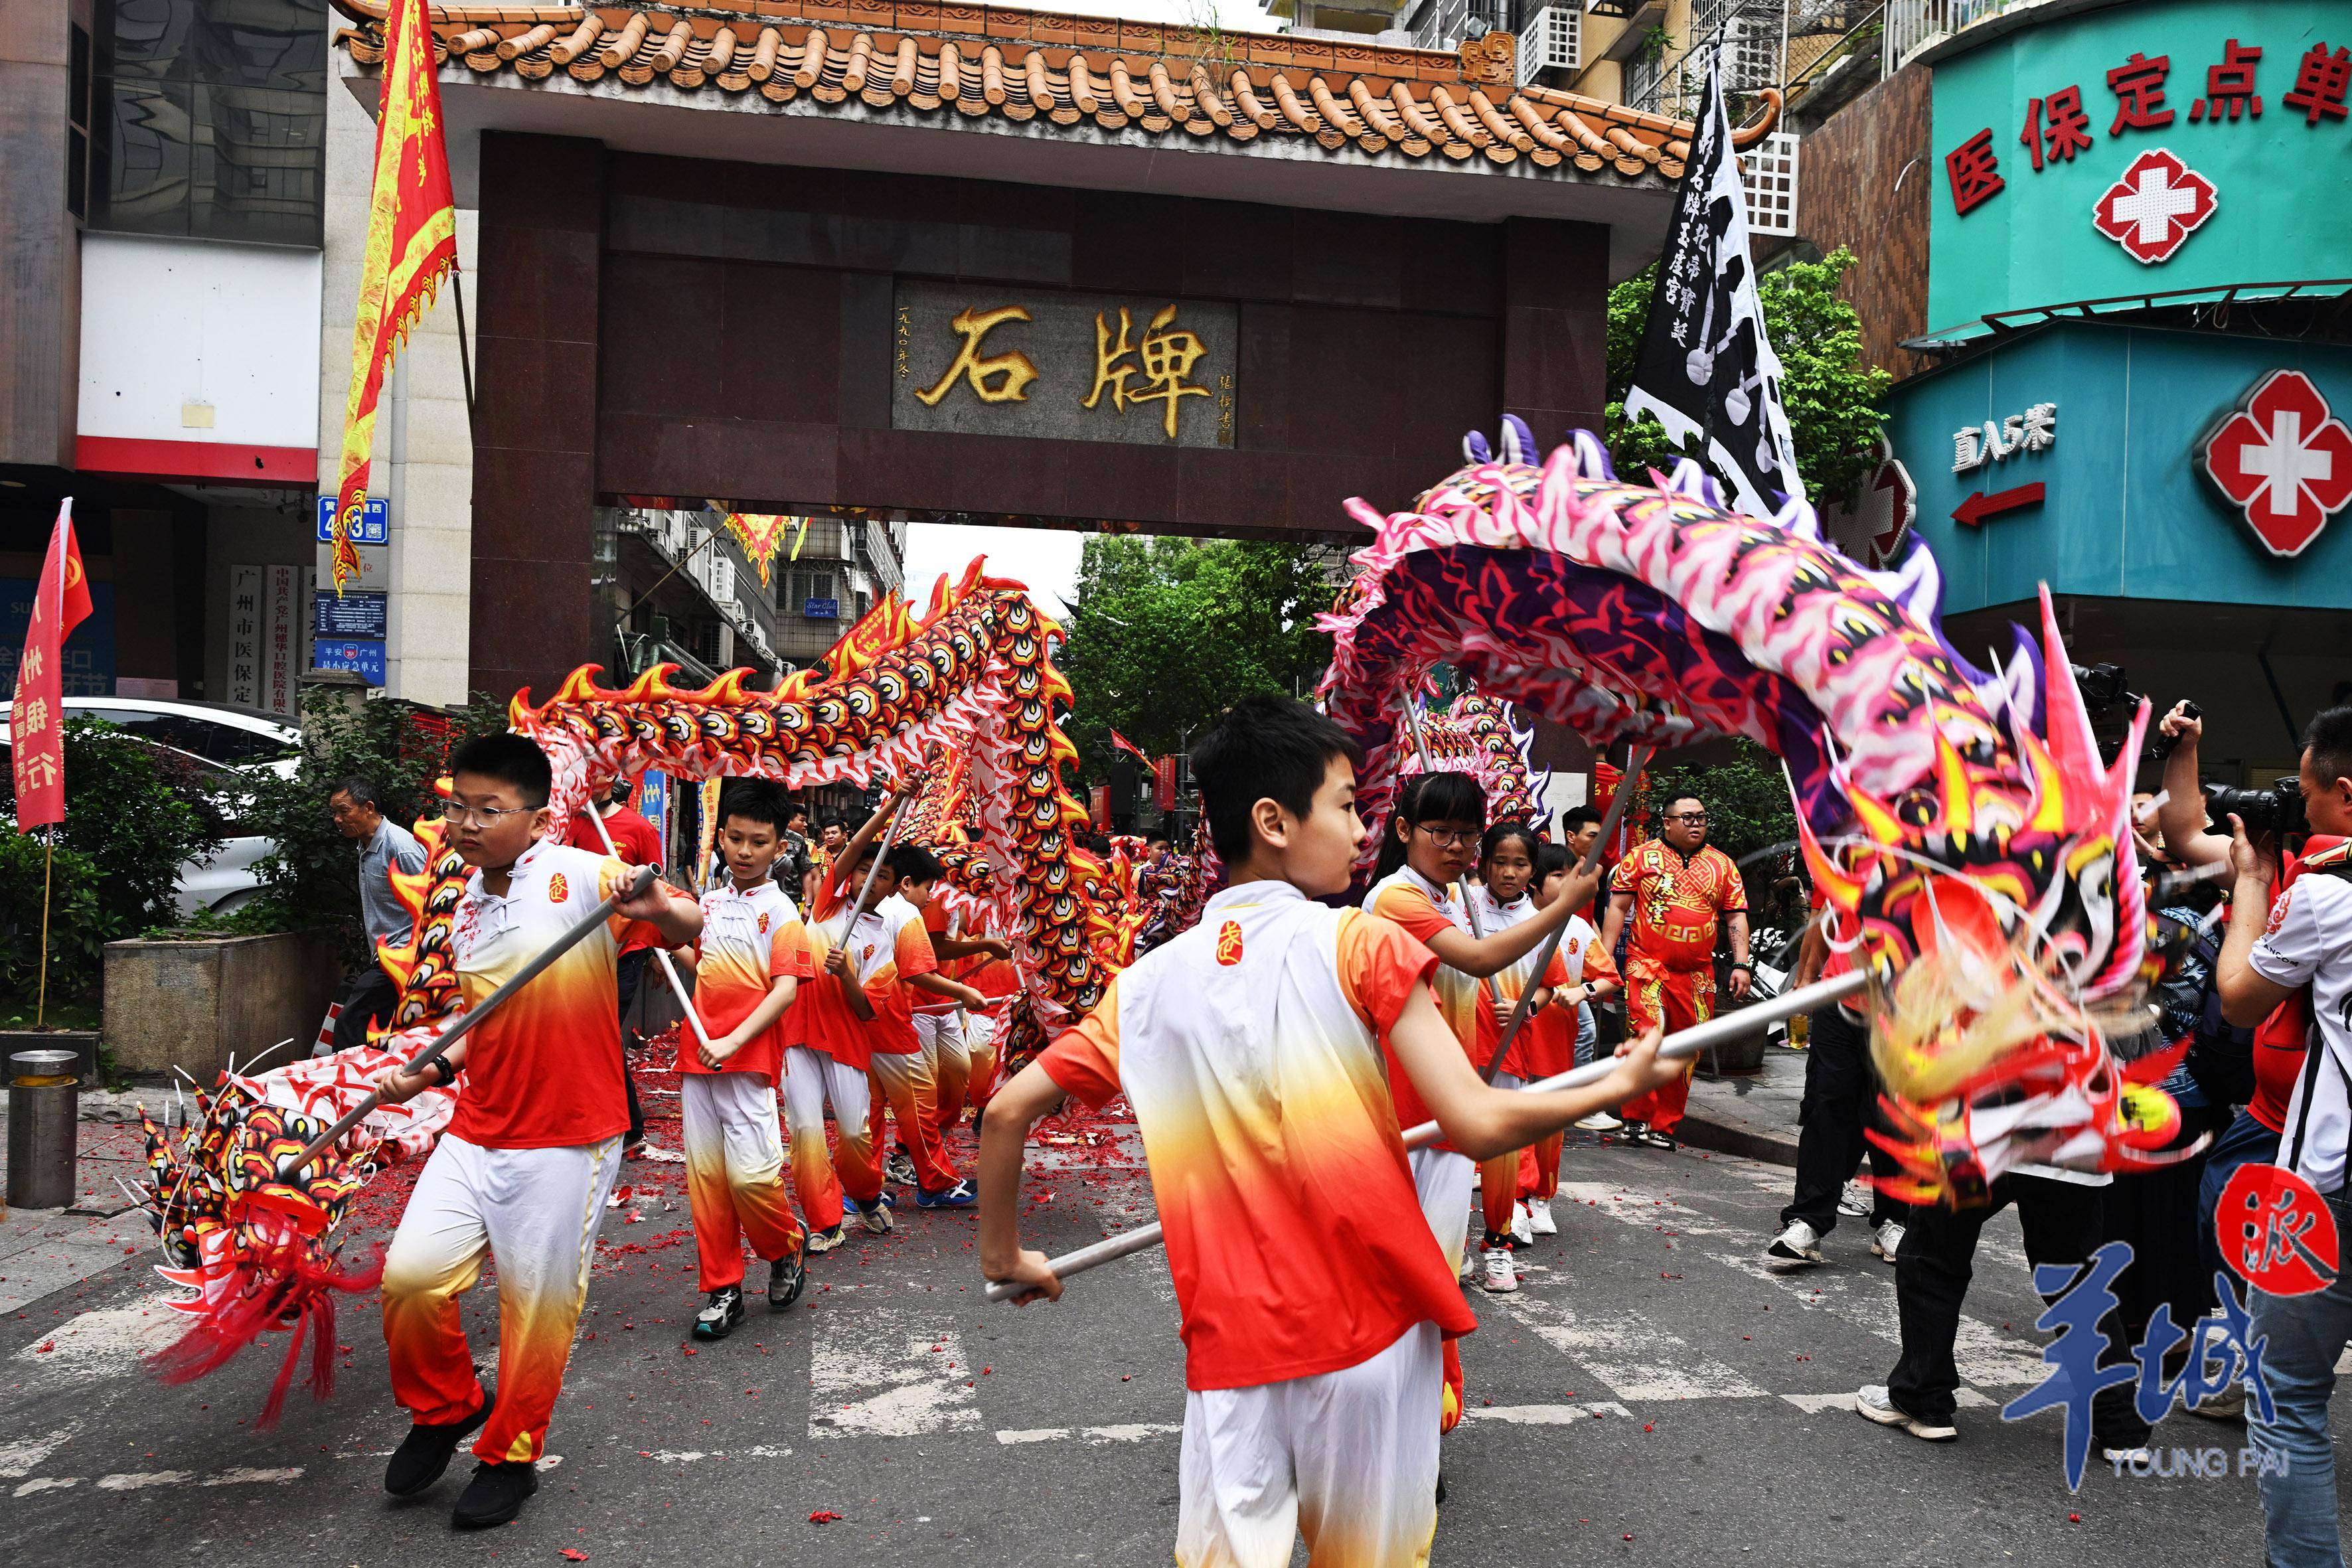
(2278, 809)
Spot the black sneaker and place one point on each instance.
(787, 1278)
(720, 1314)
(425, 1453)
(1630, 1130)
(496, 1494)
(1649, 1138)
(901, 1168)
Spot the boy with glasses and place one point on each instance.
(1676, 890)
(523, 1171)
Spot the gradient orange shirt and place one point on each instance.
(1539, 1034)
(750, 940)
(1424, 908)
(1677, 903)
(887, 947)
(544, 1072)
(1251, 1049)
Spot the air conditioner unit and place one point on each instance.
(1554, 40)
(1768, 172)
(723, 580)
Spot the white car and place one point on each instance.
(222, 742)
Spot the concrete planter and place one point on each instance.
(193, 1005)
(82, 1042)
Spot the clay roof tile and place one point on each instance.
(926, 55)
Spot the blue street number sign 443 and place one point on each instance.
(376, 522)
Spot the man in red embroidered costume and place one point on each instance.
(1676, 889)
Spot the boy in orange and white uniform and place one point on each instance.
(998, 981)
(1432, 838)
(943, 1026)
(523, 1171)
(749, 967)
(1251, 1048)
(869, 963)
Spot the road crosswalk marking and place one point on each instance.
(877, 1372)
(1637, 1360)
(1986, 1356)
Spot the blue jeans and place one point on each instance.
(2302, 1337)
(1588, 1033)
(2246, 1142)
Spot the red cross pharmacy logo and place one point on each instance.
(2283, 459)
(2156, 206)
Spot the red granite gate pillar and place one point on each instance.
(1555, 325)
(543, 226)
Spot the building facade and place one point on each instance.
(2102, 247)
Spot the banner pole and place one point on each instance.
(48, 855)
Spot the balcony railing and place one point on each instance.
(1913, 23)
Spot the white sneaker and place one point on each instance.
(1887, 1239)
(1854, 1202)
(1799, 1246)
(1600, 1121)
(2226, 1407)
(1501, 1276)
(1539, 1217)
(1522, 1227)
(1872, 1403)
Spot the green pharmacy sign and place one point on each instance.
(2180, 148)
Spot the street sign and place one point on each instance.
(1971, 512)
(354, 615)
(361, 655)
(376, 522)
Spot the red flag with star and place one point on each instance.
(412, 245)
(60, 604)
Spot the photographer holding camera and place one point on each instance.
(2273, 1054)
(2274, 951)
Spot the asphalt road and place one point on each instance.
(1652, 1393)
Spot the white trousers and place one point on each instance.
(734, 1172)
(1444, 1180)
(534, 1213)
(812, 1077)
(1347, 1459)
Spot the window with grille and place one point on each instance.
(1768, 172)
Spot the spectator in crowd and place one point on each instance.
(639, 844)
(2274, 950)
(2275, 1053)
(1841, 1100)
(367, 994)
(792, 865)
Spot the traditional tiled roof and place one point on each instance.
(977, 60)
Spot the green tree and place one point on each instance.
(1164, 633)
(310, 879)
(1831, 397)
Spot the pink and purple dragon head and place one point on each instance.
(1952, 814)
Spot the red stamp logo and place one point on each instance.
(2276, 1230)
(2278, 914)
(763, 922)
(1229, 944)
(558, 889)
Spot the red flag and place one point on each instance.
(412, 245)
(1130, 748)
(59, 605)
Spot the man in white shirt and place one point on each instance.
(2274, 950)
